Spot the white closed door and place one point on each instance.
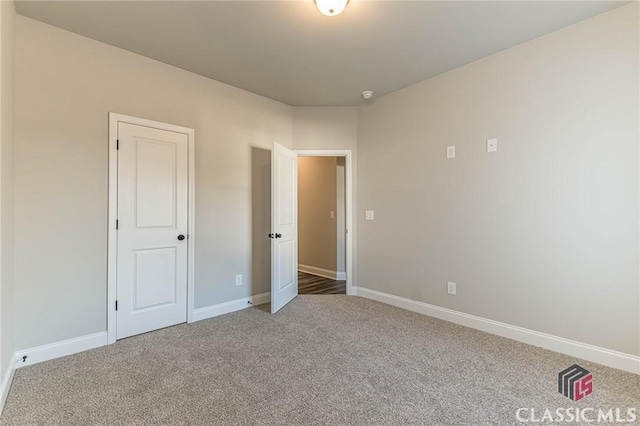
(284, 226)
(151, 289)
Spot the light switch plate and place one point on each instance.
(492, 145)
(368, 215)
(332, 214)
(451, 151)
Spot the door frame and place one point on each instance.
(348, 203)
(112, 239)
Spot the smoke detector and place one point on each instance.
(367, 94)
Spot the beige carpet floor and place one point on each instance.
(323, 360)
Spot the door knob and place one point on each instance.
(270, 235)
(180, 237)
(278, 235)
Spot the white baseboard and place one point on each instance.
(231, 306)
(322, 272)
(6, 383)
(91, 341)
(584, 351)
(59, 349)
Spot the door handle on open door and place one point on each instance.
(278, 235)
(180, 237)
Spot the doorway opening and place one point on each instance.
(324, 213)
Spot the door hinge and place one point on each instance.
(116, 305)
(117, 143)
(117, 223)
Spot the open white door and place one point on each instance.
(284, 226)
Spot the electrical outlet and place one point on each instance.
(238, 279)
(451, 151)
(451, 288)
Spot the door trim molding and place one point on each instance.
(349, 203)
(114, 119)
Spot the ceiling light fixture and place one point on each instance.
(331, 7)
(367, 94)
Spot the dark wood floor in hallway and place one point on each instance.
(313, 284)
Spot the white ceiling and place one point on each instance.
(288, 51)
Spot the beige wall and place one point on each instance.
(65, 86)
(7, 52)
(325, 128)
(317, 197)
(541, 234)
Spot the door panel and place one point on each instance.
(154, 278)
(286, 274)
(287, 208)
(284, 218)
(155, 196)
(152, 211)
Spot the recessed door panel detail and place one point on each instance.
(154, 278)
(286, 270)
(287, 174)
(155, 176)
